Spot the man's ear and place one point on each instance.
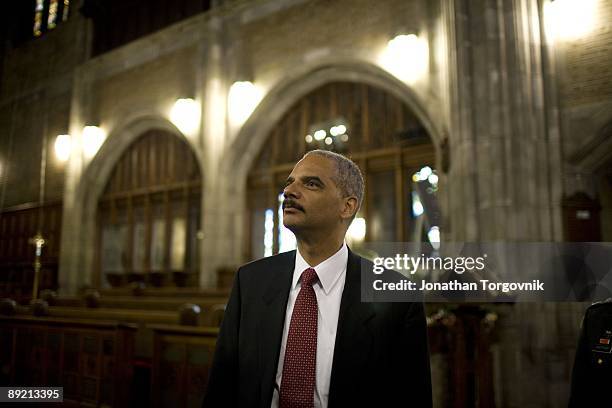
(350, 207)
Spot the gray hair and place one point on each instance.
(348, 177)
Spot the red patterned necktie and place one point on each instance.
(300, 365)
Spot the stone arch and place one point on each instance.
(242, 151)
(80, 208)
(251, 137)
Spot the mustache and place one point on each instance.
(289, 203)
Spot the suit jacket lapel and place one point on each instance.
(353, 337)
(274, 298)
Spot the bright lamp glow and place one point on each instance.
(434, 237)
(185, 114)
(569, 19)
(63, 147)
(357, 230)
(406, 57)
(424, 174)
(242, 100)
(93, 137)
(320, 134)
(417, 206)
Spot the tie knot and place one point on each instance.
(309, 277)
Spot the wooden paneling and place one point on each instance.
(181, 361)
(91, 360)
(384, 135)
(153, 192)
(17, 226)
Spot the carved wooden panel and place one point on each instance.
(149, 214)
(181, 360)
(91, 360)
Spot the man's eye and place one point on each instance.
(311, 184)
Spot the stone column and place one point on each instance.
(218, 219)
(504, 179)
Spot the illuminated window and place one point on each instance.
(52, 16)
(286, 239)
(38, 17)
(48, 14)
(66, 10)
(269, 233)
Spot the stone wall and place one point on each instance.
(36, 89)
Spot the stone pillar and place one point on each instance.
(217, 216)
(504, 179)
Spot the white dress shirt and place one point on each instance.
(328, 290)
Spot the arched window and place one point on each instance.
(375, 129)
(48, 14)
(149, 214)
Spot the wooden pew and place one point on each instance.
(148, 310)
(90, 359)
(181, 361)
(120, 315)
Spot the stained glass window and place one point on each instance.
(38, 17)
(48, 14)
(286, 239)
(66, 10)
(52, 16)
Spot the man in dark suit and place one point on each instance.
(295, 332)
(592, 373)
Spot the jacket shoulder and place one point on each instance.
(604, 306)
(269, 262)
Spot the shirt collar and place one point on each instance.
(328, 271)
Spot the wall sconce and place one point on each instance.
(93, 137)
(186, 114)
(63, 147)
(242, 100)
(569, 19)
(406, 56)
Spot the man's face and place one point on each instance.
(312, 199)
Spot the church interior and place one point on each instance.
(144, 146)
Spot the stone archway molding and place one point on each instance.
(79, 227)
(227, 204)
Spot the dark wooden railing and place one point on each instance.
(90, 359)
(98, 361)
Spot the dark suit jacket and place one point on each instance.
(592, 373)
(380, 358)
